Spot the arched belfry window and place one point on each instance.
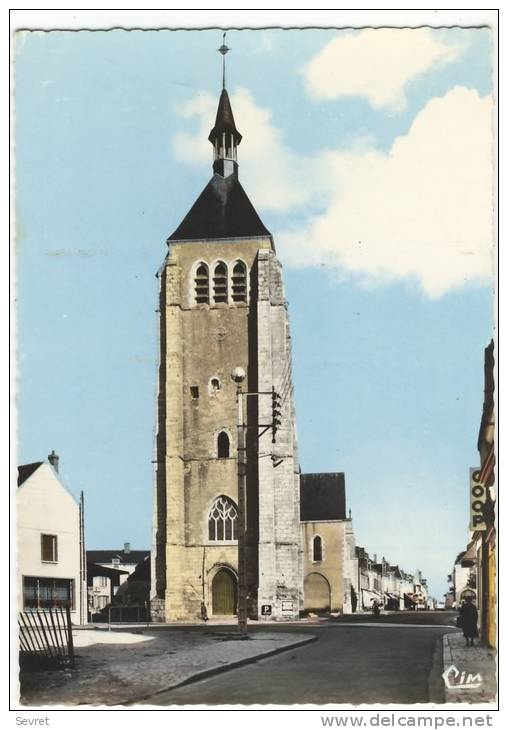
(223, 445)
(223, 520)
(239, 282)
(220, 283)
(317, 549)
(202, 285)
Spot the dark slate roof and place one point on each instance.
(106, 556)
(92, 570)
(322, 497)
(26, 470)
(223, 210)
(142, 571)
(488, 391)
(224, 121)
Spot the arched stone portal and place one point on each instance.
(224, 593)
(316, 591)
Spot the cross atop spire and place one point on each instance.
(224, 136)
(223, 50)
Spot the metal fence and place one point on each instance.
(45, 639)
(123, 613)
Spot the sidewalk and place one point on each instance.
(127, 667)
(471, 660)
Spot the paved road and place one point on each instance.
(352, 662)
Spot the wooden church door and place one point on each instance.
(224, 593)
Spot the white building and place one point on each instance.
(51, 567)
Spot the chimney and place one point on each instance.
(126, 547)
(53, 460)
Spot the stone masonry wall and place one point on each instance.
(201, 342)
(280, 557)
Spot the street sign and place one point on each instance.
(266, 610)
(478, 494)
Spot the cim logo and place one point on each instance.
(455, 679)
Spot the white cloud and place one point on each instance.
(376, 64)
(276, 178)
(423, 211)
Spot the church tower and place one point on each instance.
(222, 306)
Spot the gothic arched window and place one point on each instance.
(202, 285)
(223, 520)
(220, 283)
(223, 445)
(239, 282)
(317, 549)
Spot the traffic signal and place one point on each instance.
(276, 413)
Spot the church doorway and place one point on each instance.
(224, 593)
(316, 590)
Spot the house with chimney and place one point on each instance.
(51, 565)
(112, 575)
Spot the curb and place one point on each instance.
(436, 688)
(225, 668)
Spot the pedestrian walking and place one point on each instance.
(468, 615)
(204, 612)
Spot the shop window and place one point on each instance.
(40, 593)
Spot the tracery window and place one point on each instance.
(202, 285)
(220, 283)
(239, 282)
(223, 520)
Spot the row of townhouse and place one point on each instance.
(388, 585)
(54, 569)
(474, 570)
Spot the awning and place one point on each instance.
(468, 593)
(469, 558)
(392, 596)
(370, 596)
(410, 597)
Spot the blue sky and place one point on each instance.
(372, 173)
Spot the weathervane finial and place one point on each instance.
(223, 50)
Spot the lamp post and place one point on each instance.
(238, 376)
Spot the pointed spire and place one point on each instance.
(224, 120)
(224, 136)
(223, 50)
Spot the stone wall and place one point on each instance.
(280, 572)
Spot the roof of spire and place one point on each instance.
(224, 121)
(223, 210)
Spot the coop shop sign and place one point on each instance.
(478, 497)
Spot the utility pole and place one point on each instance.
(238, 376)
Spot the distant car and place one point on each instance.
(440, 606)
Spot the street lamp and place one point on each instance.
(238, 376)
